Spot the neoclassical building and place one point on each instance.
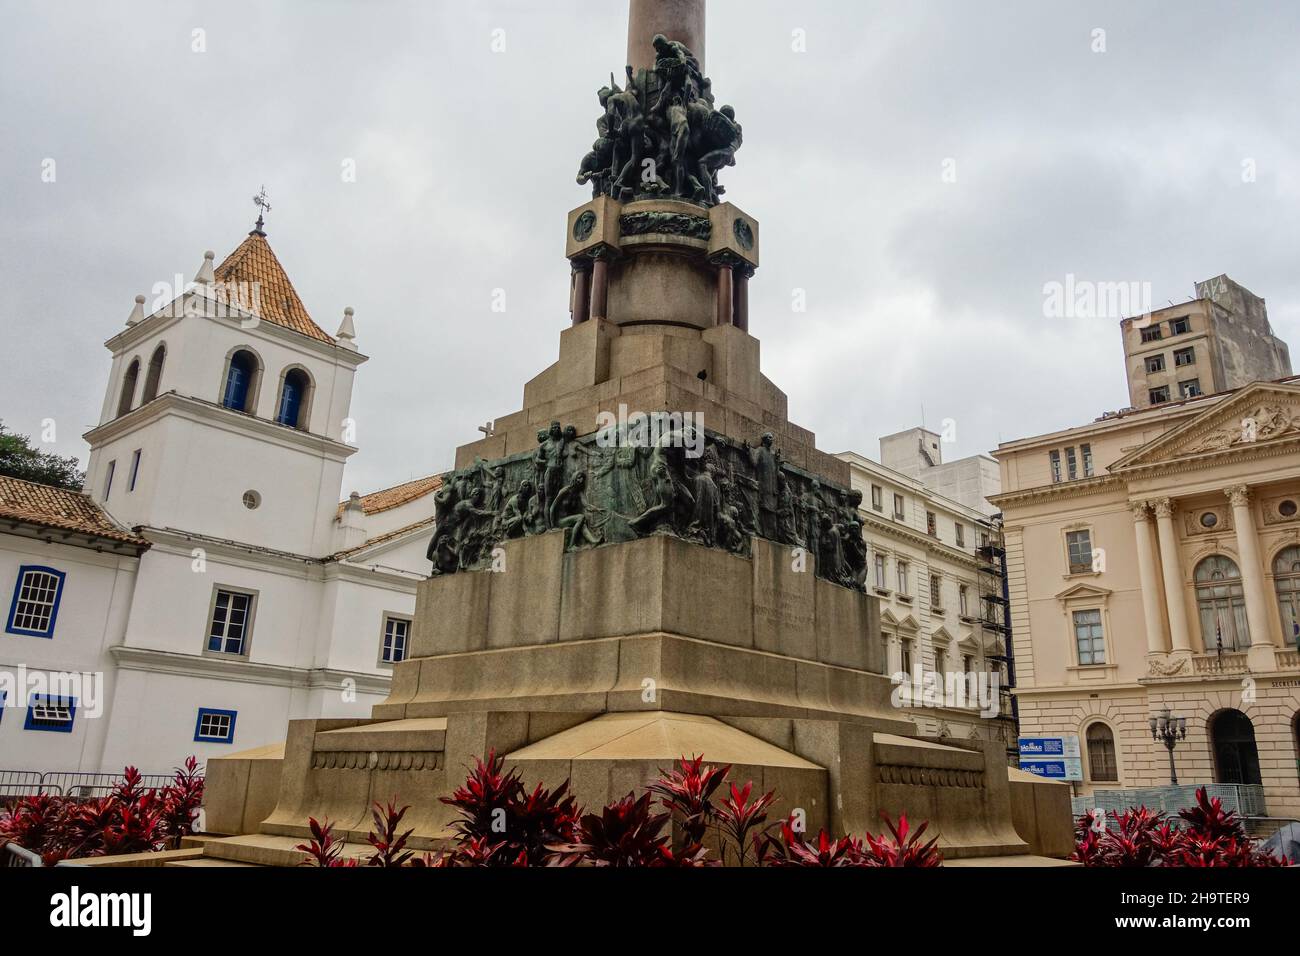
(929, 565)
(1154, 562)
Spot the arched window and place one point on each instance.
(128, 387)
(1102, 766)
(295, 395)
(1295, 737)
(153, 375)
(1222, 603)
(1232, 737)
(1286, 581)
(240, 376)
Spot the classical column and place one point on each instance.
(1172, 571)
(1148, 579)
(1252, 574)
(581, 291)
(741, 279)
(599, 287)
(725, 316)
(680, 20)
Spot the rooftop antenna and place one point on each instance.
(263, 206)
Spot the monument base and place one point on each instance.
(604, 667)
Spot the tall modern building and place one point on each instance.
(1219, 341)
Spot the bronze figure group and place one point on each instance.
(601, 489)
(659, 135)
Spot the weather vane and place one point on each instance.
(263, 205)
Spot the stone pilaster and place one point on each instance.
(1171, 568)
(1149, 579)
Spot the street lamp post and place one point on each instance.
(1169, 729)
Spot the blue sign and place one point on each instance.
(1051, 769)
(1042, 747)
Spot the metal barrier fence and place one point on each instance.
(69, 783)
(15, 856)
(1245, 798)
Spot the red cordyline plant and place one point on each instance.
(130, 819)
(501, 815)
(687, 792)
(739, 815)
(901, 848)
(325, 849)
(1210, 837)
(500, 824)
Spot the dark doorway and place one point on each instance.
(1236, 759)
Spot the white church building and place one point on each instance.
(207, 586)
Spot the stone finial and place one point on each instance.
(137, 313)
(347, 333)
(354, 503)
(206, 275)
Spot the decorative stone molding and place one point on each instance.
(1163, 507)
(372, 760)
(1238, 495)
(1140, 510)
(930, 776)
(1167, 667)
(1265, 422)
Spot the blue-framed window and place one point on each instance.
(35, 606)
(135, 469)
(292, 394)
(51, 712)
(239, 379)
(232, 616)
(215, 726)
(396, 632)
(108, 478)
(4, 697)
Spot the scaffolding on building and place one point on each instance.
(995, 619)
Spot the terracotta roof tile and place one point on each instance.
(253, 266)
(58, 508)
(398, 495)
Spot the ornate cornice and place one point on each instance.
(1059, 489)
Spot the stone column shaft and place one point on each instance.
(1252, 573)
(741, 318)
(599, 288)
(1157, 642)
(680, 20)
(1172, 572)
(581, 295)
(725, 316)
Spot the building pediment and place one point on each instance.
(1083, 592)
(1258, 416)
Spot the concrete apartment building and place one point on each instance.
(1219, 341)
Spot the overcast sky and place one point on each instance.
(923, 294)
